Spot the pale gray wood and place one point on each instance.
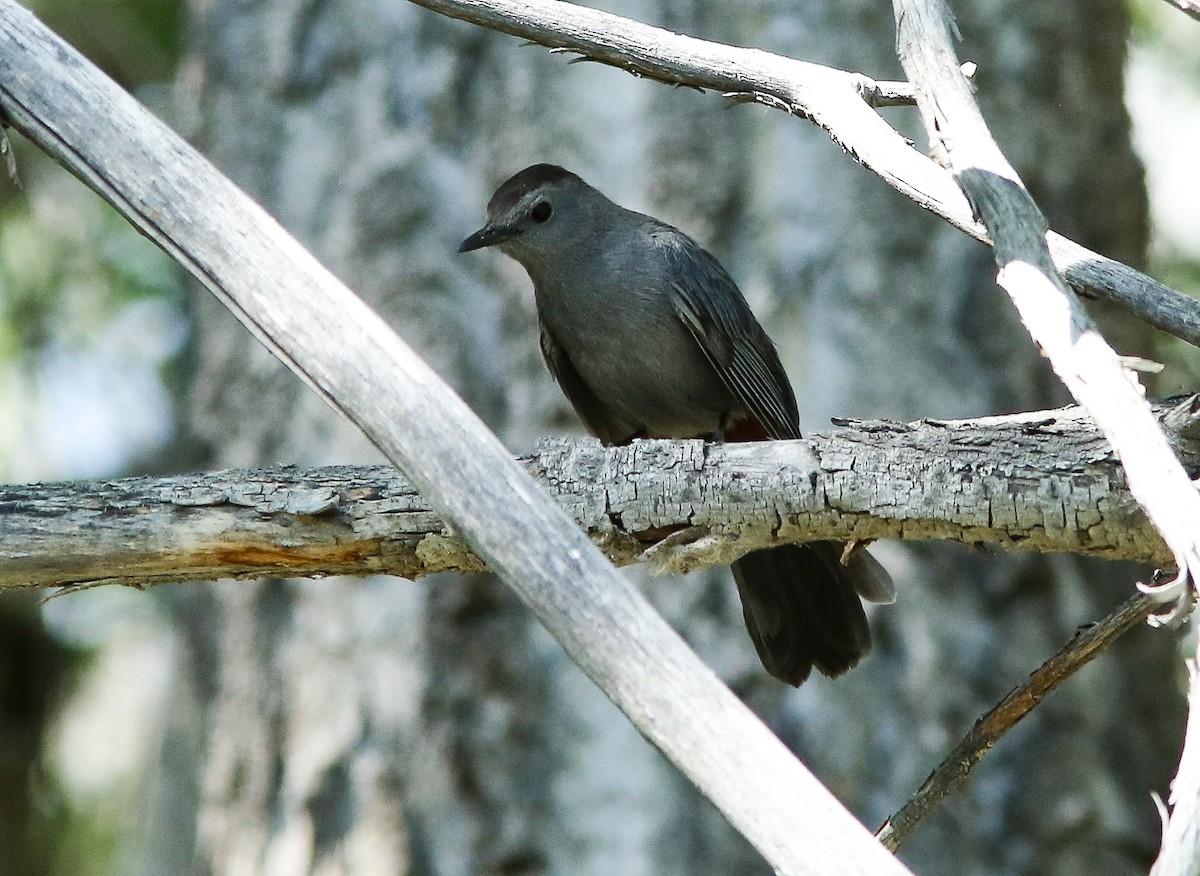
(1180, 854)
(993, 192)
(343, 350)
(885, 312)
(1043, 481)
(1057, 321)
(831, 98)
(1050, 311)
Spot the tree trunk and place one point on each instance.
(385, 726)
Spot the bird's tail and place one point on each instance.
(803, 610)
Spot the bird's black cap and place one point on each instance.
(509, 195)
(522, 183)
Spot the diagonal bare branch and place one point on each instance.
(1187, 7)
(956, 767)
(1049, 310)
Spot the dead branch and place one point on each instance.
(954, 770)
(1049, 310)
(1044, 481)
(1187, 7)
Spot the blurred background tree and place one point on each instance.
(385, 726)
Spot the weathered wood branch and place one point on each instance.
(997, 207)
(1057, 322)
(1180, 852)
(345, 352)
(836, 100)
(1049, 310)
(1043, 481)
(1087, 644)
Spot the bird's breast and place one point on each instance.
(629, 346)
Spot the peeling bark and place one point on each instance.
(1043, 481)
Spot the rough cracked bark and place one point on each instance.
(1041, 481)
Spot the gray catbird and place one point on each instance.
(649, 337)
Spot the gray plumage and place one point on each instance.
(649, 337)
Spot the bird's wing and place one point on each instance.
(712, 307)
(599, 419)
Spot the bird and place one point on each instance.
(648, 336)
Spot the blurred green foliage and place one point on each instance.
(67, 261)
(1173, 35)
(70, 266)
(134, 41)
(1163, 95)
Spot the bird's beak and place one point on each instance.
(488, 235)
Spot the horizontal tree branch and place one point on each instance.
(1043, 481)
(836, 100)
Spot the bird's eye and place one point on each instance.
(541, 212)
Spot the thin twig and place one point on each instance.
(1020, 701)
(880, 94)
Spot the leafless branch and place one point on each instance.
(1043, 481)
(1187, 7)
(954, 770)
(1051, 313)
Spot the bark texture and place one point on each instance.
(1043, 481)
(390, 727)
